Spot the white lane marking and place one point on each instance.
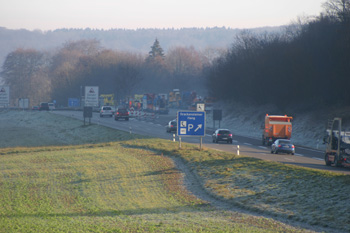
(317, 158)
(235, 141)
(262, 147)
(248, 144)
(208, 135)
(289, 159)
(299, 155)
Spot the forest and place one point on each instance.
(46, 76)
(307, 65)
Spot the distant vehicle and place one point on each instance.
(44, 106)
(171, 126)
(35, 108)
(106, 111)
(276, 127)
(222, 135)
(121, 113)
(282, 146)
(52, 106)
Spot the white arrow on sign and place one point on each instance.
(199, 127)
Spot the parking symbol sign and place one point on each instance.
(191, 123)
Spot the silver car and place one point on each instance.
(106, 111)
(283, 146)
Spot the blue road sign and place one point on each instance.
(73, 102)
(190, 123)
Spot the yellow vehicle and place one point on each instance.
(107, 99)
(174, 98)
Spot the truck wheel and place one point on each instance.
(336, 161)
(326, 159)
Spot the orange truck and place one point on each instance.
(276, 127)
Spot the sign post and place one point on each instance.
(91, 100)
(91, 96)
(4, 95)
(192, 124)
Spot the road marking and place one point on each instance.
(235, 141)
(299, 155)
(262, 147)
(248, 144)
(317, 158)
(289, 159)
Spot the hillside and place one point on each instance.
(149, 185)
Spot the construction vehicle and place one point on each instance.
(161, 104)
(276, 127)
(338, 144)
(106, 100)
(148, 101)
(175, 98)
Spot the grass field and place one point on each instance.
(133, 185)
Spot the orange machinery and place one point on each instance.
(276, 127)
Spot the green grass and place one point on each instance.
(311, 196)
(96, 179)
(110, 187)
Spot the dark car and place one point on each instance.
(44, 106)
(222, 135)
(171, 126)
(121, 113)
(282, 146)
(35, 107)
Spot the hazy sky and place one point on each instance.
(133, 14)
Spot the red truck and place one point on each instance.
(276, 127)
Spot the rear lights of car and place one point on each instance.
(293, 146)
(230, 135)
(219, 134)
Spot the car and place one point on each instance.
(106, 111)
(121, 113)
(222, 135)
(44, 106)
(171, 126)
(282, 146)
(52, 106)
(35, 107)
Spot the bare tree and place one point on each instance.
(21, 69)
(338, 9)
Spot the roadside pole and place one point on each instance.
(179, 142)
(200, 145)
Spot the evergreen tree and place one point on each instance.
(156, 51)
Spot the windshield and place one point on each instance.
(285, 142)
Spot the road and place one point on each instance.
(155, 127)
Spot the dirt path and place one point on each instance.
(195, 186)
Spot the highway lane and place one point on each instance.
(252, 147)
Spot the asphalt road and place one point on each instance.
(252, 147)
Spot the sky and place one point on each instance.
(135, 14)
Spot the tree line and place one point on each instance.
(307, 66)
(46, 76)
